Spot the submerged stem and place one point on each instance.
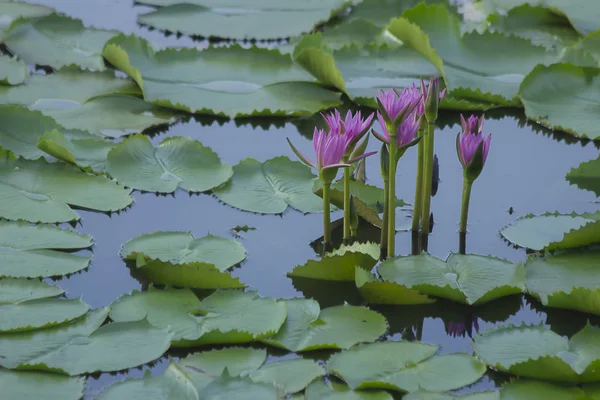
(464, 210)
(427, 176)
(346, 204)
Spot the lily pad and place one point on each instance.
(22, 128)
(197, 275)
(58, 41)
(13, 71)
(332, 390)
(554, 231)
(469, 279)
(290, 375)
(13, 11)
(566, 280)
(201, 82)
(376, 291)
(404, 366)
(20, 348)
(269, 187)
(539, 353)
(239, 388)
(380, 12)
(182, 248)
(41, 313)
(240, 20)
(15, 291)
(586, 176)
(564, 97)
(65, 87)
(340, 264)
(87, 153)
(37, 385)
(176, 162)
(307, 327)
(31, 251)
(477, 66)
(39, 191)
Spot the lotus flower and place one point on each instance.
(396, 106)
(471, 141)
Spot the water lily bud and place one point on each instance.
(384, 161)
(472, 148)
(432, 100)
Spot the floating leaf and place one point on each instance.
(339, 265)
(39, 191)
(14, 291)
(476, 66)
(22, 128)
(554, 231)
(201, 82)
(240, 20)
(269, 188)
(65, 87)
(563, 97)
(59, 41)
(539, 353)
(404, 366)
(12, 71)
(586, 176)
(176, 162)
(332, 390)
(197, 275)
(376, 291)
(168, 308)
(307, 327)
(470, 279)
(290, 375)
(31, 251)
(22, 347)
(112, 347)
(12, 11)
(380, 12)
(36, 385)
(227, 387)
(89, 154)
(183, 248)
(566, 280)
(41, 313)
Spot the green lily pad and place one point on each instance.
(240, 389)
(566, 280)
(197, 275)
(112, 347)
(39, 191)
(18, 385)
(65, 87)
(586, 176)
(477, 66)
(201, 82)
(15, 291)
(269, 187)
(21, 348)
(340, 264)
(376, 291)
(380, 12)
(176, 162)
(332, 390)
(290, 375)
(183, 248)
(88, 153)
(14, 71)
(40, 313)
(31, 251)
(563, 97)
(554, 231)
(13, 11)
(469, 279)
(404, 366)
(240, 20)
(307, 327)
(539, 24)
(537, 352)
(58, 41)
(22, 128)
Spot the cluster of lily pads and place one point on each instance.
(72, 136)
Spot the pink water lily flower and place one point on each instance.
(406, 133)
(353, 126)
(471, 139)
(396, 106)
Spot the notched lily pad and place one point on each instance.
(177, 162)
(586, 176)
(376, 291)
(37, 385)
(40, 313)
(333, 390)
(18, 290)
(12, 71)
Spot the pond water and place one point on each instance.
(524, 173)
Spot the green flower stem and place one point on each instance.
(346, 203)
(386, 209)
(326, 214)
(464, 209)
(419, 185)
(427, 176)
(391, 194)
